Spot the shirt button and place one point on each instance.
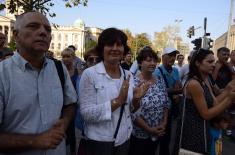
(129, 128)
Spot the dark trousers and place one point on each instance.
(106, 148)
(165, 140)
(142, 146)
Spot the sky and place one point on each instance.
(148, 16)
(140, 16)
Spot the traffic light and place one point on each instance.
(190, 31)
(207, 43)
(197, 43)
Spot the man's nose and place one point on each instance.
(42, 30)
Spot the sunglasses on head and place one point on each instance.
(93, 59)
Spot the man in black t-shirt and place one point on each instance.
(223, 73)
(126, 64)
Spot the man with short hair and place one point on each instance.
(4, 51)
(34, 109)
(126, 64)
(180, 60)
(222, 73)
(171, 77)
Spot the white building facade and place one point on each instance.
(62, 36)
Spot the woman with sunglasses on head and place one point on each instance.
(200, 104)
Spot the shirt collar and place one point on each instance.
(24, 64)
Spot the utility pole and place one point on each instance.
(227, 41)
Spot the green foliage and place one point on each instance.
(142, 40)
(12, 44)
(90, 44)
(169, 36)
(2, 6)
(137, 42)
(42, 6)
(72, 3)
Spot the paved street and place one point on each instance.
(229, 146)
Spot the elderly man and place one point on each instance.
(34, 109)
(171, 78)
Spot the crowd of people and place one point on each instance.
(107, 105)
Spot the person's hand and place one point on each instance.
(230, 86)
(51, 138)
(141, 89)
(124, 91)
(232, 95)
(158, 130)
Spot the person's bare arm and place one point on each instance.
(16, 143)
(195, 90)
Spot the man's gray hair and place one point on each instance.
(18, 22)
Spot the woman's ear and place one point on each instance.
(197, 63)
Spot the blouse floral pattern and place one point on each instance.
(152, 106)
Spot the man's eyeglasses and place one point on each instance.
(93, 59)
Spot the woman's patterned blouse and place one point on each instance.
(152, 106)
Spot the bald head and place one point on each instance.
(20, 18)
(32, 33)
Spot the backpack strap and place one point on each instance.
(60, 72)
(164, 77)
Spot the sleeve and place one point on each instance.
(138, 112)
(92, 111)
(134, 68)
(70, 95)
(157, 73)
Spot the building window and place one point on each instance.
(52, 36)
(59, 46)
(65, 45)
(66, 37)
(0, 28)
(76, 37)
(52, 45)
(59, 37)
(6, 29)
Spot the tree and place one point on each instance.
(12, 44)
(168, 37)
(90, 44)
(142, 40)
(42, 6)
(131, 39)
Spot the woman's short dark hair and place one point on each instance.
(144, 54)
(198, 56)
(110, 36)
(90, 52)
